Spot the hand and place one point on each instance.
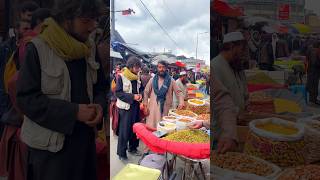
(181, 106)
(137, 97)
(145, 109)
(225, 145)
(196, 125)
(85, 113)
(98, 118)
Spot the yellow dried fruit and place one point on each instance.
(188, 136)
(185, 113)
(277, 128)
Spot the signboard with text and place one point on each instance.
(284, 12)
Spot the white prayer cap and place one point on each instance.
(182, 73)
(232, 37)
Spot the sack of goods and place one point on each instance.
(198, 106)
(312, 141)
(243, 166)
(310, 172)
(277, 141)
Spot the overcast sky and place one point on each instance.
(182, 19)
(313, 5)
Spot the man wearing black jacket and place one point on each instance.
(61, 90)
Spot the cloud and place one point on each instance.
(182, 20)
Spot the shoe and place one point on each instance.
(135, 152)
(146, 153)
(123, 158)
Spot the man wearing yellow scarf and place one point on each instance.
(128, 93)
(61, 90)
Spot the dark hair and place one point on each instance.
(70, 9)
(145, 70)
(39, 16)
(30, 6)
(103, 21)
(133, 61)
(163, 62)
(122, 66)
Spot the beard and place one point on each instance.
(184, 82)
(162, 74)
(236, 65)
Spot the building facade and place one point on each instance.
(270, 9)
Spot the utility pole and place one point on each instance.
(113, 24)
(197, 43)
(197, 46)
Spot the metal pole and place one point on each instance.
(113, 24)
(197, 46)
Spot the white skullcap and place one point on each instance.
(182, 73)
(232, 37)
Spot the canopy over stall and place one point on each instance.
(224, 9)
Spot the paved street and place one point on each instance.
(116, 165)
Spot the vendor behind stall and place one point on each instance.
(182, 84)
(228, 70)
(223, 121)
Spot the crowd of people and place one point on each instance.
(143, 94)
(54, 92)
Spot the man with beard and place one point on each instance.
(158, 95)
(128, 97)
(227, 69)
(182, 84)
(61, 91)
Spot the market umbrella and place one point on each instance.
(224, 9)
(301, 28)
(180, 64)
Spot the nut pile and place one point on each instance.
(259, 97)
(242, 163)
(202, 109)
(309, 172)
(188, 136)
(312, 142)
(282, 153)
(315, 126)
(185, 113)
(204, 117)
(197, 101)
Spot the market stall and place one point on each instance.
(174, 138)
(278, 139)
